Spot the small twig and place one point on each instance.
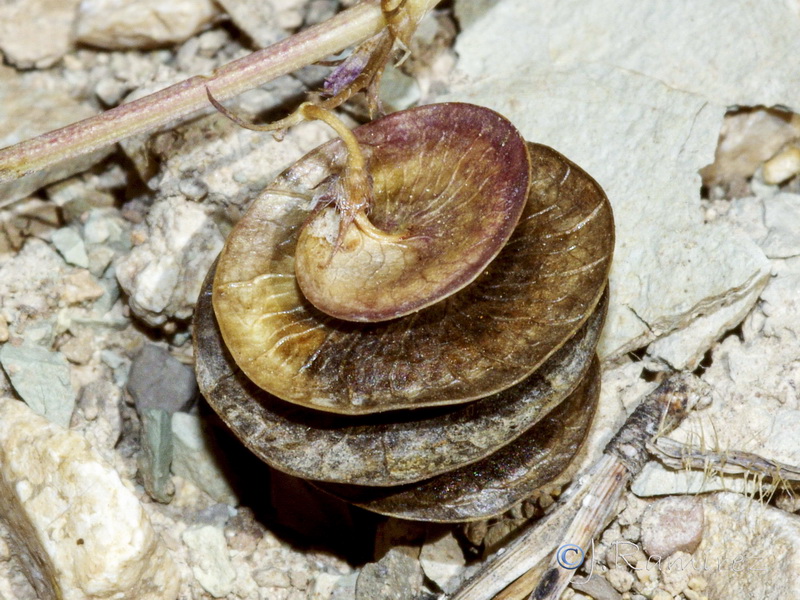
(557, 541)
(678, 455)
(183, 99)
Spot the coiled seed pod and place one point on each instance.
(459, 272)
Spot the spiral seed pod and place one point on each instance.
(460, 273)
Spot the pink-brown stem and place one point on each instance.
(183, 99)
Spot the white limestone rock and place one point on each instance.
(163, 275)
(643, 141)
(749, 550)
(120, 24)
(36, 33)
(79, 531)
(782, 220)
(757, 405)
(442, 560)
(30, 107)
(215, 160)
(683, 349)
(256, 18)
(689, 46)
(208, 555)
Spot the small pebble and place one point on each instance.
(396, 576)
(620, 579)
(78, 349)
(442, 560)
(156, 457)
(158, 380)
(697, 583)
(70, 245)
(645, 572)
(80, 287)
(692, 595)
(672, 524)
(209, 558)
(783, 166)
(272, 577)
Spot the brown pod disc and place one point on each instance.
(383, 450)
(482, 338)
(438, 216)
(494, 484)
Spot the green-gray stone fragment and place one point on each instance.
(69, 244)
(156, 456)
(41, 378)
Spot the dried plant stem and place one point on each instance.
(677, 455)
(183, 99)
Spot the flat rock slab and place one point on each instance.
(41, 378)
(78, 531)
(749, 550)
(730, 52)
(643, 127)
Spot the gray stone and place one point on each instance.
(193, 459)
(156, 456)
(396, 576)
(70, 245)
(41, 378)
(157, 380)
(442, 560)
